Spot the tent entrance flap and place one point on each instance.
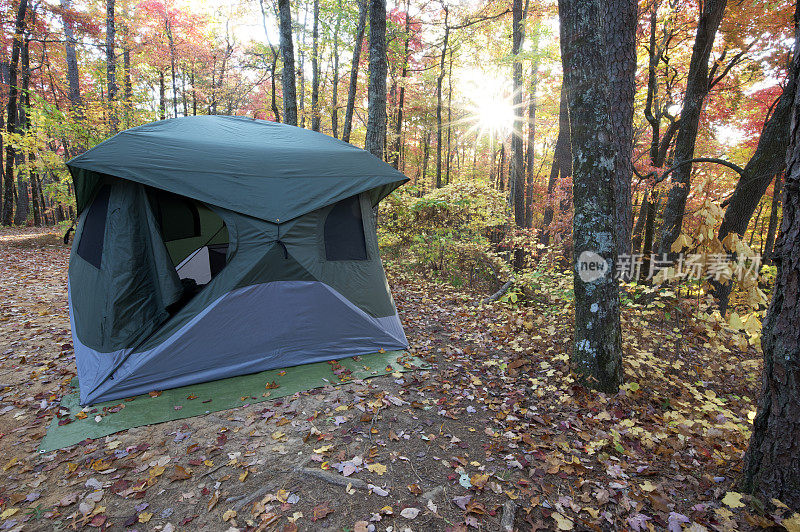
(132, 279)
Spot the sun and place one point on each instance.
(491, 111)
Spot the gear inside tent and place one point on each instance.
(213, 246)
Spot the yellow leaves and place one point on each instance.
(10, 464)
(81, 415)
(228, 515)
(563, 522)
(733, 500)
(479, 481)
(145, 517)
(208, 463)
(323, 449)
(243, 476)
(277, 435)
(377, 468)
(792, 524)
(647, 486)
(157, 471)
(8, 513)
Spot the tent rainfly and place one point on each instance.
(214, 246)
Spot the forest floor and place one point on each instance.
(495, 428)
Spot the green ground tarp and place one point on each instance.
(212, 396)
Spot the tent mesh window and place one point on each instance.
(344, 231)
(90, 247)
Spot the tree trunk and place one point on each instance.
(376, 118)
(11, 117)
(773, 220)
(315, 118)
(562, 164)
(162, 99)
(398, 126)
(72, 59)
(126, 62)
(772, 462)
(516, 182)
(168, 29)
(351, 90)
(439, 81)
(531, 154)
(23, 203)
(301, 60)
(287, 51)
(621, 22)
(696, 91)
(597, 356)
(335, 88)
(767, 160)
(111, 64)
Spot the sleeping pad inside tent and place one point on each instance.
(212, 246)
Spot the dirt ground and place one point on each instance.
(495, 434)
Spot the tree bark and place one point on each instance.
(597, 355)
(516, 182)
(335, 88)
(772, 461)
(531, 153)
(562, 165)
(23, 203)
(398, 126)
(76, 103)
(168, 30)
(11, 116)
(773, 220)
(273, 66)
(439, 81)
(287, 52)
(621, 21)
(111, 64)
(162, 99)
(315, 118)
(351, 90)
(376, 94)
(697, 87)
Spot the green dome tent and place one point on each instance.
(214, 246)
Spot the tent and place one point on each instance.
(213, 246)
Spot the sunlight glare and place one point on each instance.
(490, 106)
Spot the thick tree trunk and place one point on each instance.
(315, 118)
(597, 355)
(376, 117)
(73, 78)
(439, 81)
(773, 219)
(697, 87)
(273, 66)
(516, 182)
(351, 90)
(287, 52)
(11, 116)
(111, 65)
(772, 462)
(621, 20)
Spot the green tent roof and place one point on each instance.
(268, 170)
